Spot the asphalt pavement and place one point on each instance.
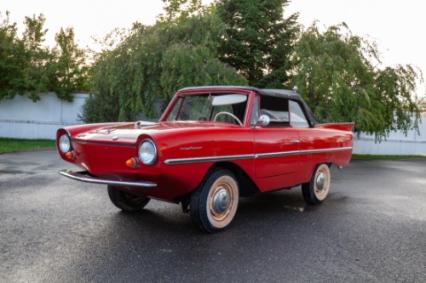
(372, 228)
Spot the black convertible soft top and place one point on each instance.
(284, 93)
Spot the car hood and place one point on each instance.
(129, 132)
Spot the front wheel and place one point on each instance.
(316, 191)
(214, 205)
(127, 201)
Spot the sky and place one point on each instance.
(397, 26)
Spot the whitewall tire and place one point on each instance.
(214, 205)
(317, 190)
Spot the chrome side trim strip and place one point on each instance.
(208, 159)
(300, 152)
(83, 176)
(248, 156)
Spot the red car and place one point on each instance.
(210, 146)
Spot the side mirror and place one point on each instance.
(263, 120)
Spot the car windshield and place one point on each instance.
(227, 108)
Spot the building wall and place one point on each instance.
(20, 117)
(414, 143)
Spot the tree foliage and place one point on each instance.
(36, 58)
(341, 78)
(258, 40)
(175, 9)
(152, 62)
(11, 57)
(69, 68)
(28, 67)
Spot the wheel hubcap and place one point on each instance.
(221, 201)
(320, 181)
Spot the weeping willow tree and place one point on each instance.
(341, 77)
(152, 62)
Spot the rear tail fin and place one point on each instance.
(337, 126)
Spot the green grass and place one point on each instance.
(14, 145)
(387, 157)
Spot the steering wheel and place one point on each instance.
(229, 114)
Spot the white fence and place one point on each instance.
(397, 143)
(20, 117)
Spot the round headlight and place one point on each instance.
(64, 143)
(147, 152)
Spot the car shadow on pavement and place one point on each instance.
(255, 209)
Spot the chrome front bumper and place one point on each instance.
(84, 176)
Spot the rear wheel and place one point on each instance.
(126, 201)
(214, 205)
(316, 191)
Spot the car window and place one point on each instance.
(297, 116)
(277, 110)
(194, 108)
(206, 107)
(173, 114)
(224, 118)
(255, 111)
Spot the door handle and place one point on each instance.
(295, 141)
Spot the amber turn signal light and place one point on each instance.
(69, 155)
(132, 163)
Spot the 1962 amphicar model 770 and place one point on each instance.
(211, 146)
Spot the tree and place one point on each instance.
(152, 62)
(11, 57)
(258, 40)
(23, 60)
(28, 67)
(341, 78)
(69, 70)
(35, 78)
(188, 65)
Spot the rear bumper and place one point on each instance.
(84, 176)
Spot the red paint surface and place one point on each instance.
(103, 150)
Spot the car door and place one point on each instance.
(307, 137)
(277, 163)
